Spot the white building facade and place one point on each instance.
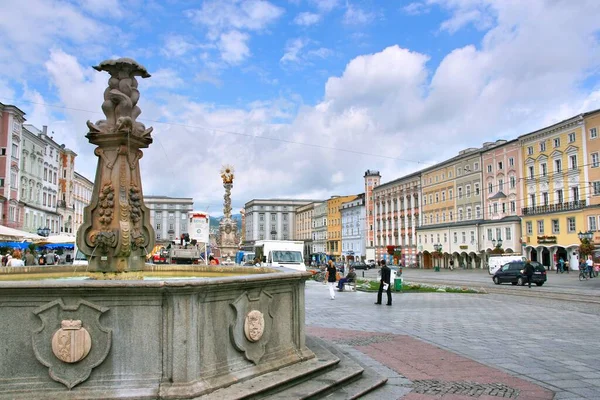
(271, 219)
(82, 195)
(41, 208)
(31, 181)
(169, 216)
(320, 229)
(353, 229)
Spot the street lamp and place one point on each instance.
(497, 246)
(589, 235)
(438, 249)
(44, 231)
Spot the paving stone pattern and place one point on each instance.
(471, 389)
(533, 339)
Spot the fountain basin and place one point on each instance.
(169, 337)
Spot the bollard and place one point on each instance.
(363, 274)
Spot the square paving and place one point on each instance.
(442, 345)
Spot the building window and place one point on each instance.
(489, 234)
(596, 188)
(559, 196)
(592, 223)
(555, 226)
(476, 189)
(513, 206)
(530, 150)
(499, 233)
(575, 190)
(158, 227)
(476, 166)
(595, 161)
(556, 142)
(571, 224)
(444, 216)
(464, 237)
(508, 233)
(593, 133)
(529, 227)
(495, 208)
(531, 172)
(171, 215)
(490, 168)
(455, 237)
(571, 137)
(468, 190)
(273, 216)
(458, 171)
(445, 238)
(511, 162)
(460, 214)
(437, 198)
(261, 227)
(450, 194)
(501, 185)
(460, 192)
(540, 225)
(513, 182)
(444, 195)
(490, 188)
(545, 198)
(544, 168)
(500, 165)
(573, 162)
(557, 166)
(543, 146)
(450, 216)
(477, 212)
(469, 213)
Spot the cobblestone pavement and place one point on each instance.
(545, 342)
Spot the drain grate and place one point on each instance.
(366, 341)
(472, 389)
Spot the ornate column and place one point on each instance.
(227, 226)
(116, 233)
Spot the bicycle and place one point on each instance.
(583, 274)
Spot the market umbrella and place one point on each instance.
(7, 233)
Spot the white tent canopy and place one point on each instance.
(58, 239)
(7, 233)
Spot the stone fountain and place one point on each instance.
(127, 330)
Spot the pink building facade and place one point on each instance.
(11, 125)
(502, 196)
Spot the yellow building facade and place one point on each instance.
(334, 225)
(555, 191)
(591, 213)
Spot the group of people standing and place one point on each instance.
(384, 281)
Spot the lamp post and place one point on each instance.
(497, 246)
(43, 231)
(438, 250)
(587, 243)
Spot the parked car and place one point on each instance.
(360, 265)
(513, 272)
(371, 263)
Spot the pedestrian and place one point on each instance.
(15, 260)
(29, 258)
(561, 266)
(582, 264)
(331, 278)
(384, 284)
(528, 271)
(351, 277)
(590, 266)
(451, 265)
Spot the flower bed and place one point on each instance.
(408, 287)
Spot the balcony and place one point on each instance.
(551, 208)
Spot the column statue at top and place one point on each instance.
(116, 233)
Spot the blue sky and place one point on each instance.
(320, 91)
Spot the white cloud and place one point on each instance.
(233, 47)
(176, 46)
(223, 15)
(416, 8)
(357, 16)
(165, 78)
(307, 18)
(111, 8)
(325, 5)
(292, 50)
(384, 108)
(227, 20)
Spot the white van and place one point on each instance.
(80, 258)
(281, 253)
(497, 261)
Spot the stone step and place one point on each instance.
(277, 381)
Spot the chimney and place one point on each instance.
(45, 129)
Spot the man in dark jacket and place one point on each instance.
(384, 283)
(528, 272)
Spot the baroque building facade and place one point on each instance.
(304, 227)
(397, 206)
(372, 179)
(334, 225)
(556, 190)
(271, 219)
(169, 216)
(353, 214)
(11, 125)
(319, 238)
(82, 195)
(66, 176)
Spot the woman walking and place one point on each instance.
(331, 275)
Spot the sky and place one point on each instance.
(301, 96)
